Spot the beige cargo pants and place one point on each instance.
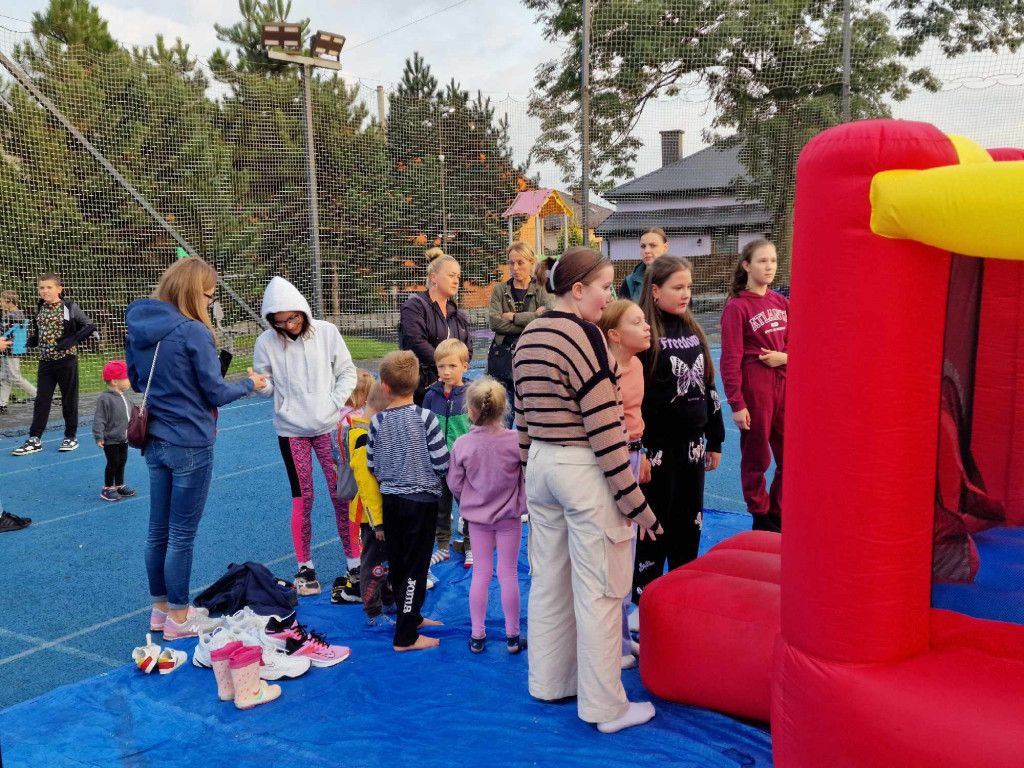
(581, 559)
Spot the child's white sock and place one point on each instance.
(639, 712)
(352, 562)
(307, 564)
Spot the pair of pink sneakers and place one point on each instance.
(236, 668)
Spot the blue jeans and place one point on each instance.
(179, 479)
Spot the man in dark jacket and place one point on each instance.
(59, 327)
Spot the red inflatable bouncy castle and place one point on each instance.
(886, 437)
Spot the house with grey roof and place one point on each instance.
(695, 199)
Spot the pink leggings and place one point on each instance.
(507, 535)
(298, 461)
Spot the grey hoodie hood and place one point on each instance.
(282, 296)
(312, 376)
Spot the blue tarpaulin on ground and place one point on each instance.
(434, 708)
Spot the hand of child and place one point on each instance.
(379, 533)
(5, 343)
(259, 380)
(650, 533)
(99, 443)
(711, 461)
(510, 316)
(772, 358)
(645, 469)
(742, 418)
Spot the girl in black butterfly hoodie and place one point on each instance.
(681, 410)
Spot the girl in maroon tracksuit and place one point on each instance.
(753, 365)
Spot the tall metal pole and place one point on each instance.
(585, 137)
(444, 206)
(314, 206)
(847, 42)
(380, 107)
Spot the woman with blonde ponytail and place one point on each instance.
(485, 475)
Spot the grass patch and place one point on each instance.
(90, 364)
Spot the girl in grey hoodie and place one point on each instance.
(310, 375)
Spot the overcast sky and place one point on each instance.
(495, 46)
(493, 43)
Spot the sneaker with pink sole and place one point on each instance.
(198, 620)
(315, 647)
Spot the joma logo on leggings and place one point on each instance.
(407, 605)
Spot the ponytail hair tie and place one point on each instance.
(551, 273)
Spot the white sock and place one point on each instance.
(639, 712)
(307, 564)
(352, 562)
(628, 662)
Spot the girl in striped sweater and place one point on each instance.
(581, 495)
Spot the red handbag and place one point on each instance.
(138, 420)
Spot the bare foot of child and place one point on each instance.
(430, 623)
(422, 643)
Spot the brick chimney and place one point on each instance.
(671, 147)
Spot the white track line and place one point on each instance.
(725, 498)
(99, 455)
(60, 641)
(63, 648)
(142, 496)
(240, 426)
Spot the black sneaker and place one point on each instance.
(306, 582)
(32, 445)
(68, 444)
(124, 490)
(353, 575)
(3, 410)
(9, 522)
(515, 644)
(344, 591)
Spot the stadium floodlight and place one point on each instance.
(280, 34)
(327, 44)
(325, 52)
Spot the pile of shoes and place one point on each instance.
(250, 649)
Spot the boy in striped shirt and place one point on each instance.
(408, 455)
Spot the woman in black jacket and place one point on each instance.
(429, 317)
(515, 303)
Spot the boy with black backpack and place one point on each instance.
(366, 509)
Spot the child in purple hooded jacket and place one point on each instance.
(486, 476)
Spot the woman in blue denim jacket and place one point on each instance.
(186, 388)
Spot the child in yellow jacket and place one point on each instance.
(367, 510)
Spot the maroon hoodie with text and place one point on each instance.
(750, 322)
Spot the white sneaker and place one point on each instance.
(220, 637)
(431, 580)
(198, 620)
(276, 663)
(245, 615)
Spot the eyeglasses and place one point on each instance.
(294, 319)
